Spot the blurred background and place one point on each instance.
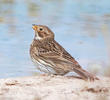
(82, 27)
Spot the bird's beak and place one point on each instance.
(34, 27)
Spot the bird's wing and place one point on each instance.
(49, 50)
(65, 55)
(53, 51)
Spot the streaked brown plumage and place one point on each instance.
(51, 57)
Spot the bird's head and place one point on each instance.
(42, 32)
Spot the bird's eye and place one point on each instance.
(40, 29)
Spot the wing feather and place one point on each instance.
(53, 51)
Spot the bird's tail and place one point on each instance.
(84, 74)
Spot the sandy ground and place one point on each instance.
(45, 87)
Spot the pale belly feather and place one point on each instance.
(43, 66)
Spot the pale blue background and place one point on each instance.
(82, 27)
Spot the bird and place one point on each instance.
(50, 57)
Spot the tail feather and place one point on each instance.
(84, 74)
